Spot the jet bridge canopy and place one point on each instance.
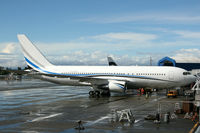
(167, 61)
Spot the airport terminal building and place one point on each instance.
(167, 61)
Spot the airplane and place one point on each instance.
(111, 62)
(104, 79)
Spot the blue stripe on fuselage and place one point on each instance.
(27, 60)
(38, 68)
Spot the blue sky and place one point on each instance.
(84, 32)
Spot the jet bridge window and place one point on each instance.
(186, 73)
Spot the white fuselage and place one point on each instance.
(135, 76)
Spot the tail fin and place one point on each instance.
(32, 55)
(111, 62)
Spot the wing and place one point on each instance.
(109, 82)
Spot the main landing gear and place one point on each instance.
(98, 93)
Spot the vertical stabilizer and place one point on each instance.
(111, 62)
(32, 55)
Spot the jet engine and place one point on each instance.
(117, 86)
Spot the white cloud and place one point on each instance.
(146, 17)
(9, 48)
(184, 34)
(182, 43)
(188, 34)
(109, 42)
(100, 58)
(12, 60)
(13, 63)
(124, 47)
(129, 36)
(80, 58)
(187, 55)
(11, 55)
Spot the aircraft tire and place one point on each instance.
(97, 93)
(91, 93)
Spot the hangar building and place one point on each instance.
(167, 61)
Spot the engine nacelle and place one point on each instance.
(117, 86)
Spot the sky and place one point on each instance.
(85, 32)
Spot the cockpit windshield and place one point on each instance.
(186, 73)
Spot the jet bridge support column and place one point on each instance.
(197, 94)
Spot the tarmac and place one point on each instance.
(35, 106)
